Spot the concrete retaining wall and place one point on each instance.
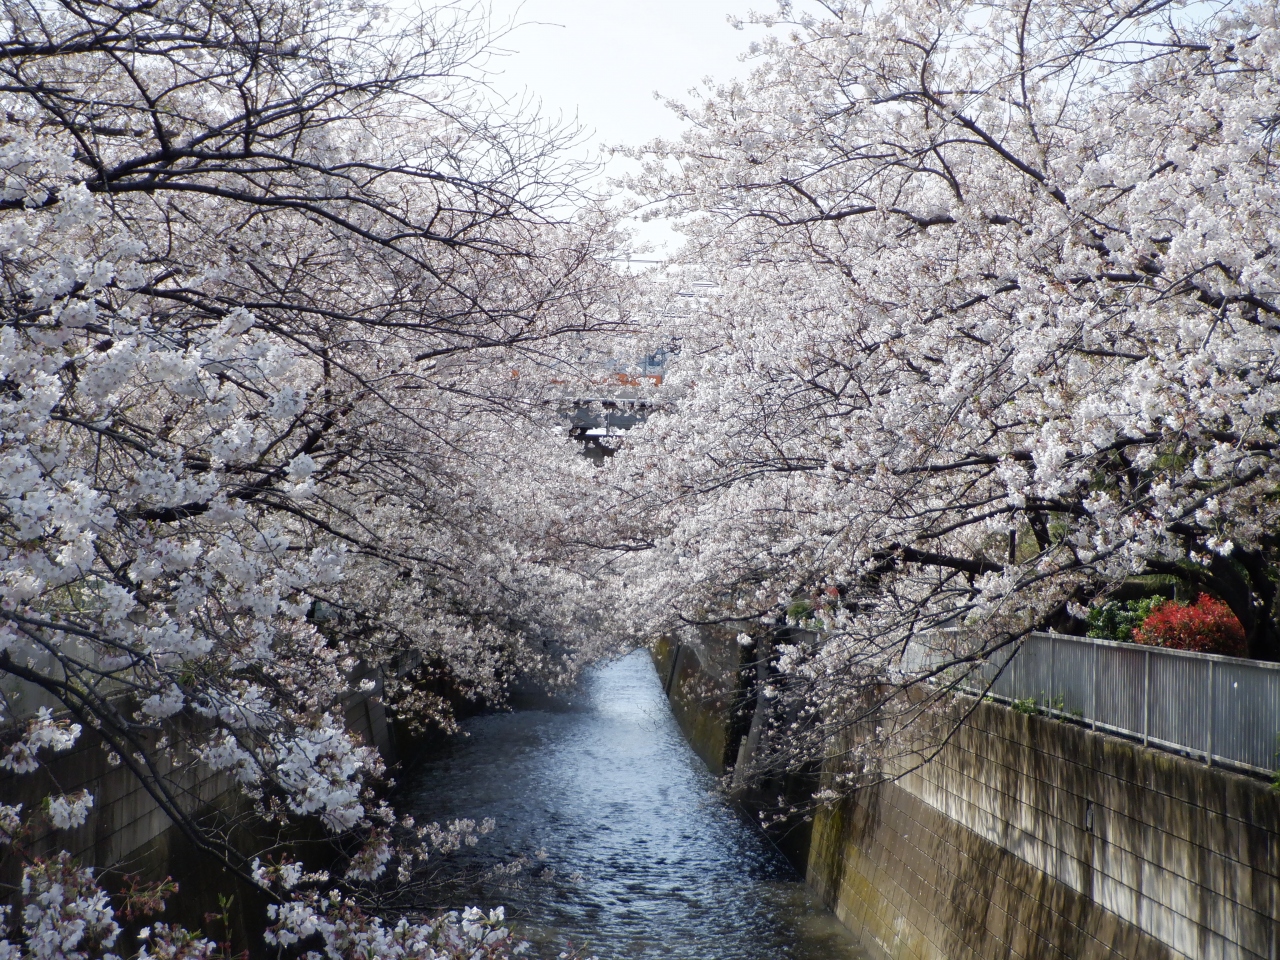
(1028, 837)
(127, 829)
(128, 833)
(702, 684)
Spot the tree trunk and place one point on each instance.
(1244, 583)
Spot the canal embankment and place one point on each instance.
(1024, 836)
(128, 832)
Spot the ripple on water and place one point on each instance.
(648, 860)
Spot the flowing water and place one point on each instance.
(639, 855)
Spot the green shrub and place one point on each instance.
(1117, 621)
(800, 611)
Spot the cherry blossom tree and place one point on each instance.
(991, 328)
(986, 326)
(284, 290)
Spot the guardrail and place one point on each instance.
(1224, 710)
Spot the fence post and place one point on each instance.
(1208, 753)
(1093, 687)
(1053, 649)
(1013, 674)
(1146, 698)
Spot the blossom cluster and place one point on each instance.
(261, 449)
(980, 315)
(66, 915)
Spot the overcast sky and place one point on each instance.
(603, 59)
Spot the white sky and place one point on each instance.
(602, 61)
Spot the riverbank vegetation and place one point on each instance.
(988, 329)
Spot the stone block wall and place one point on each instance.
(126, 828)
(1029, 837)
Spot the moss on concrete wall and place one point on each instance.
(702, 694)
(1028, 837)
(1025, 837)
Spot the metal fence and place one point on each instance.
(1224, 710)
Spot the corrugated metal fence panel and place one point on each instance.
(1032, 669)
(999, 669)
(1121, 677)
(1191, 702)
(1246, 708)
(23, 698)
(1072, 677)
(1179, 701)
(924, 651)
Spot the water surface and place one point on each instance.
(640, 856)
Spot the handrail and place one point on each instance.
(1223, 710)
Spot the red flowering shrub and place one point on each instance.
(1206, 626)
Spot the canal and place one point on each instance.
(634, 854)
